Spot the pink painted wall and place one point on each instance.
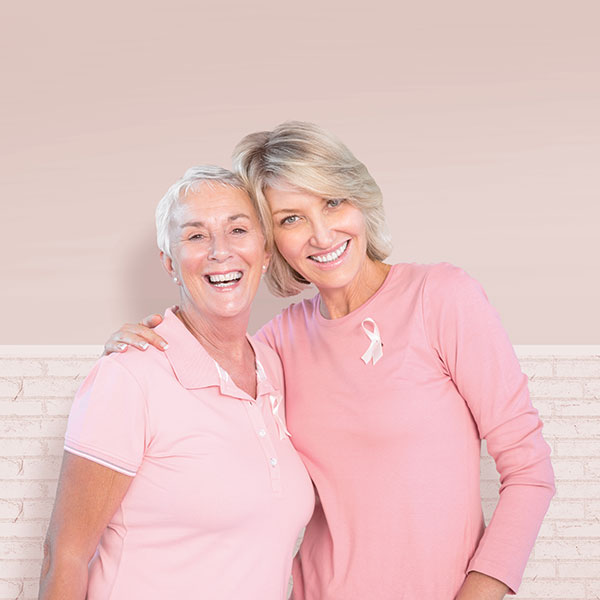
(480, 122)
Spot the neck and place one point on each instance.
(219, 336)
(336, 303)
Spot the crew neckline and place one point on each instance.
(321, 320)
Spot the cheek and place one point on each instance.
(362, 228)
(354, 217)
(356, 226)
(289, 244)
(188, 260)
(252, 251)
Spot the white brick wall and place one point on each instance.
(37, 384)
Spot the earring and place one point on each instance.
(264, 268)
(175, 279)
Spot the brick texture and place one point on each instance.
(37, 386)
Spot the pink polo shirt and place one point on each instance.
(393, 446)
(217, 498)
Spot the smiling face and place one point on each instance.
(322, 239)
(217, 251)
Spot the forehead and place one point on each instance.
(210, 201)
(285, 194)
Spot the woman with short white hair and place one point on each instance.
(394, 374)
(178, 479)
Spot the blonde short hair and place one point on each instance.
(311, 159)
(192, 178)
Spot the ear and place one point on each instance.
(167, 263)
(267, 260)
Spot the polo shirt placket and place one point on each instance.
(254, 409)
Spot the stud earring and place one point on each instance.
(175, 279)
(264, 268)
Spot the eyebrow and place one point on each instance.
(286, 210)
(201, 224)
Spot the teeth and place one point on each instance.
(225, 277)
(332, 255)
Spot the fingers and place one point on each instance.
(151, 321)
(111, 347)
(122, 339)
(146, 334)
(136, 335)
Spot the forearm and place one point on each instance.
(63, 578)
(478, 586)
(88, 495)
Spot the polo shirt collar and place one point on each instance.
(196, 369)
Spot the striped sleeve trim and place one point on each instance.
(100, 461)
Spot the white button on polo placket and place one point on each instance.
(255, 412)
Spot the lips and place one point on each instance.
(331, 256)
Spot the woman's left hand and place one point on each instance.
(478, 586)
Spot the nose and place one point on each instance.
(322, 234)
(219, 250)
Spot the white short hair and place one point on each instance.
(192, 178)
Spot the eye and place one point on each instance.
(196, 236)
(335, 202)
(239, 230)
(289, 220)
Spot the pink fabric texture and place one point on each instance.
(217, 499)
(394, 447)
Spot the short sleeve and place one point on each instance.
(474, 350)
(108, 419)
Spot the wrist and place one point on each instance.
(478, 586)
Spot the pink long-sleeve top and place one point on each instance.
(394, 447)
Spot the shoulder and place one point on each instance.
(452, 282)
(451, 297)
(138, 361)
(442, 272)
(265, 353)
(294, 316)
(115, 390)
(297, 311)
(409, 280)
(416, 274)
(133, 364)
